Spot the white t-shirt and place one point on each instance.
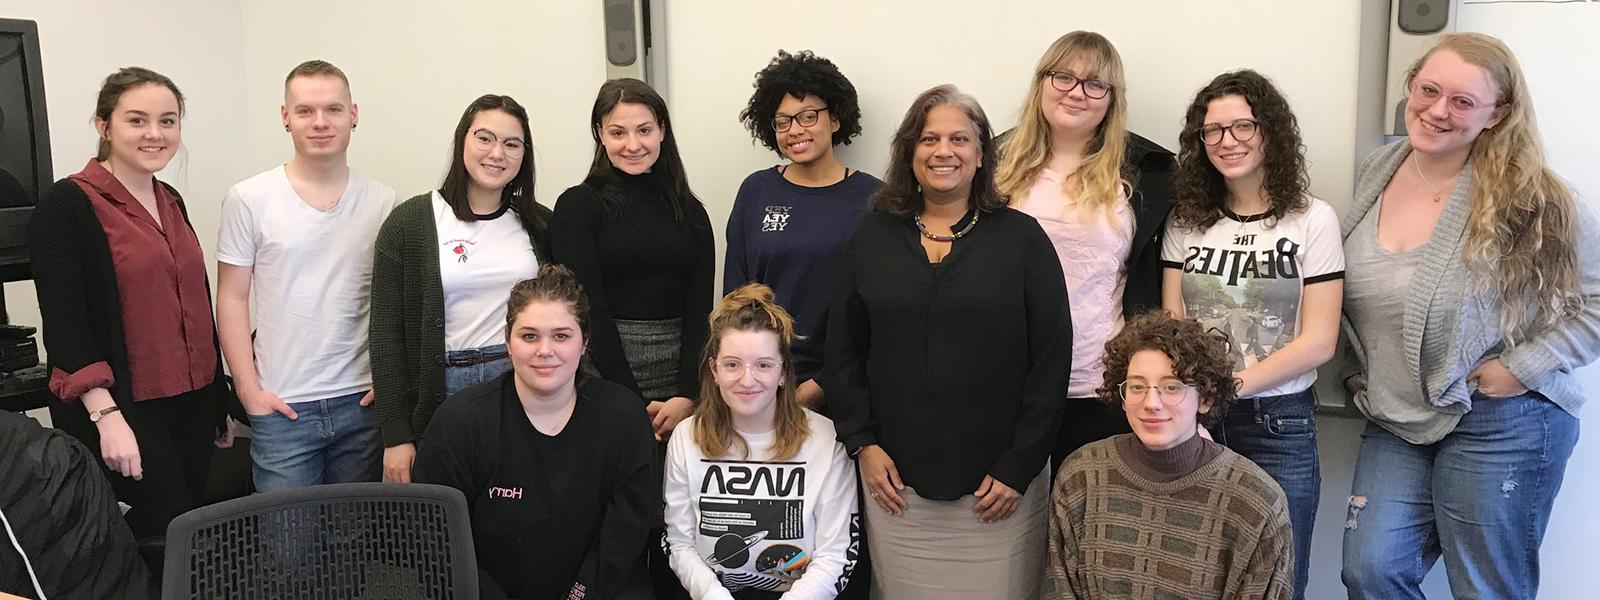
(1093, 246)
(792, 526)
(479, 261)
(1244, 276)
(311, 281)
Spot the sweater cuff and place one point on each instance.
(1530, 362)
(856, 442)
(396, 432)
(69, 386)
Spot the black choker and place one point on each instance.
(946, 238)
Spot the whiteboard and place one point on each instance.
(1557, 43)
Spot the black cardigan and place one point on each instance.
(79, 300)
(957, 370)
(1149, 168)
(406, 333)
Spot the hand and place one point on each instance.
(1355, 383)
(881, 479)
(1496, 381)
(664, 416)
(808, 394)
(225, 435)
(261, 403)
(397, 462)
(366, 399)
(996, 501)
(118, 448)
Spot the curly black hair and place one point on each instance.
(1198, 358)
(801, 74)
(1198, 191)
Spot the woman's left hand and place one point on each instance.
(996, 501)
(665, 415)
(1496, 381)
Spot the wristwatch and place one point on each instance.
(96, 415)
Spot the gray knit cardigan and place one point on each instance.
(1457, 325)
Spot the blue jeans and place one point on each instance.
(1481, 497)
(333, 441)
(460, 377)
(1279, 434)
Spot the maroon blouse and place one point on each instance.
(162, 288)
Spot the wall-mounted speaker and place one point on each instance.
(1414, 25)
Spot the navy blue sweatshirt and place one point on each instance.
(788, 237)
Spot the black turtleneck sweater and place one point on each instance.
(637, 262)
(1172, 464)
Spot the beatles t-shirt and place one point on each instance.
(1244, 276)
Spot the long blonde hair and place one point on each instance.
(752, 307)
(1098, 181)
(1523, 224)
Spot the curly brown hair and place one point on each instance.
(801, 74)
(1198, 358)
(1199, 193)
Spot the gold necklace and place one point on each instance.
(1437, 192)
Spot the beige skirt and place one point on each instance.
(936, 550)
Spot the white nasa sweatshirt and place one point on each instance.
(790, 526)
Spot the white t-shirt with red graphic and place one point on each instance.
(479, 261)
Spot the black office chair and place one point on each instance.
(352, 540)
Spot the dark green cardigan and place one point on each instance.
(407, 332)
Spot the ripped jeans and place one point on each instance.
(1480, 497)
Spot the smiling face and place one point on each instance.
(749, 371)
(490, 161)
(947, 154)
(1451, 102)
(632, 137)
(144, 131)
(1160, 425)
(1234, 159)
(1073, 112)
(319, 114)
(802, 144)
(545, 344)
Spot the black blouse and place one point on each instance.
(957, 370)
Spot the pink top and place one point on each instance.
(1093, 248)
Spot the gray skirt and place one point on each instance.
(938, 550)
(652, 349)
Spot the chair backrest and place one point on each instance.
(351, 540)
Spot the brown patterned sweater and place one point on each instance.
(1221, 532)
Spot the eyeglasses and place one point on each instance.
(1064, 82)
(1424, 95)
(1134, 392)
(487, 139)
(733, 367)
(805, 118)
(1242, 130)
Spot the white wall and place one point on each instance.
(414, 67)
(195, 42)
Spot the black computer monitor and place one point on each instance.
(24, 141)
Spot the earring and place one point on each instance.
(352, 127)
(286, 129)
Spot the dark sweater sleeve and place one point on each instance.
(734, 272)
(391, 380)
(59, 256)
(844, 370)
(1049, 357)
(698, 294)
(624, 530)
(446, 455)
(575, 242)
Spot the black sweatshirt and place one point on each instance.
(550, 514)
(638, 264)
(959, 369)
